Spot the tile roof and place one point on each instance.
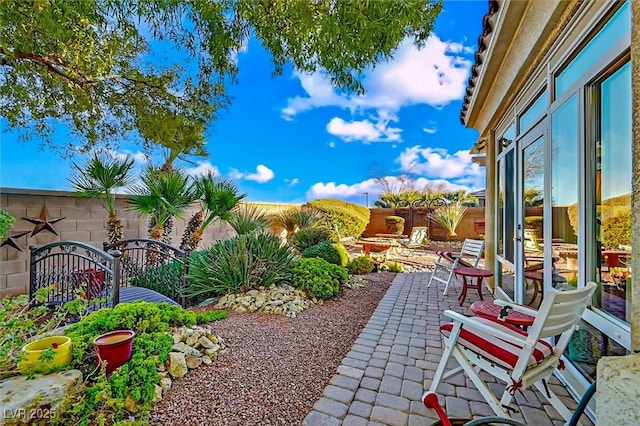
(483, 42)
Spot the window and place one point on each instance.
(533, 113)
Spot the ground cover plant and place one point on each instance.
(334, 253)
(360, 265)
(318, 277)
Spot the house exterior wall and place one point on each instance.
(84, 221)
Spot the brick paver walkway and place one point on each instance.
(383, 377)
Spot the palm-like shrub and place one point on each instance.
(334, 253)
(162, 195)
(218, 198)
(249, 218)
(238, 264)
(98, 178)
(448, 216)
(294, 219)
(318, 277)
(309, 237)
(6, 220)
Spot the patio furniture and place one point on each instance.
(489, 309)
(430, 400)
(377, 246)
(469, 256)
(418, 234)
(468, 274)
(517, 358)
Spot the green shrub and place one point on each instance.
(318, 277)
(395, 224)
(349, 218)
(309, 237)
(616, 230)
(141, 317)
(334, 253)
(249, 218)
(239, 264)
(6, 220)
(210, 316)
(395, 266)
(360, 265)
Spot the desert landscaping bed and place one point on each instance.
(275, 367)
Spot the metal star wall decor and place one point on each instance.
(43, 222)
(11, 239)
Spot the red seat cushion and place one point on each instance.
(502, 352)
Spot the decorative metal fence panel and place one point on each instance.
(66, 270)
(154, 265)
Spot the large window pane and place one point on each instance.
(533, 209)
(613, 176)
(564, 191)
(533, 113)
(614, 29)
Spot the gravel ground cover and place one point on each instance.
(275, 367)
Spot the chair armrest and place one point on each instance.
(470, 323)
(520, 308)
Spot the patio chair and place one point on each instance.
(418, 234)
(518, 358)
(469, 256)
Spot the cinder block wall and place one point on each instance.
(84, 221)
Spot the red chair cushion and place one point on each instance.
(501, 352)
(449, 256)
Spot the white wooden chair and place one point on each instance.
(415, 241)
(469, 256)
(518, 358)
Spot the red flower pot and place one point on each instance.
(114, 348)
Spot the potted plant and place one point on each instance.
(395, 224)
(46, 354)
(114, 348)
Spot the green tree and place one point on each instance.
(98, 178)
(91, 65)
(218, 198)
(461, 197)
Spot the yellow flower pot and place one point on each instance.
(32, 351)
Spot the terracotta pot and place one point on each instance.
(114, 348)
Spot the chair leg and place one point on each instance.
(433, 274)
(553, 399)
(446, 286)
(449, 343)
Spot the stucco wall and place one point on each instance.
(84, 221)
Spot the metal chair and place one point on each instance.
(517, 358)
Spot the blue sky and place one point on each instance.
(293, 138)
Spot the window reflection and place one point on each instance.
(613, 171)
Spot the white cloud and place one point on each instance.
(332, 144)
(139, 157)
(292, 182)
(263, 174)
(202, 168)
(438, 163)
(365, 130)
(356, 191)
(431, 127)
(435, 75)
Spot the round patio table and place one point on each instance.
(471, 273)
(488, 309)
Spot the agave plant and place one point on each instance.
(162, 195)
(99, 177)
(448, 216)
(292, 220)
(249, 218)
(218, 198)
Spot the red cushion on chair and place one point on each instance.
(499, 351)
(449, 256)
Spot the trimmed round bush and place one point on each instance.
(309, 237)
(350, 219)
(360, 265)
(318, 277)
(395, 224)
(334, 253)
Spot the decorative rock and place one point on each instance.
(193, 362)
(165, 383)
(206, 343)
(41, 394)
(179, 347)
(191, 340)
(130, 404)
(157, 393)
(177, 337)
(177, 365)
(206, 360)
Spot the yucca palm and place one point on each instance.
(218, 198)
(297, 218)
(461, 197)
(448, 216)
(162, 195)
(98, 178)
(249, 218)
